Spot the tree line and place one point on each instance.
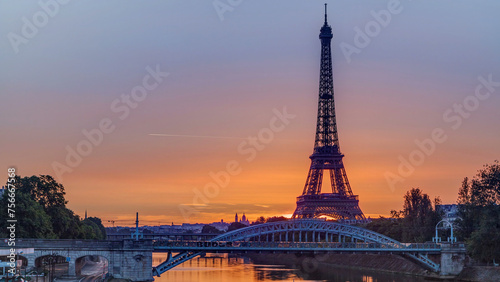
(478, 222)
(237, 225)
(479, 213)
(41, 212)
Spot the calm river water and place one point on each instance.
(225, 269)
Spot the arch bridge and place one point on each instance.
(296, 236)
(129, 259)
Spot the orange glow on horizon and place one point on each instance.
(228, 78)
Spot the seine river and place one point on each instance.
(225, 269)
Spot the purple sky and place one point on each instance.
(227, 71)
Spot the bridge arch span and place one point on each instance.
(49, 259)
(287, 230)
(308, 225)
(22, 258)
(97, 264)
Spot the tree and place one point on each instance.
(43, 189)
(65, 223)
(484, 243)
(419, 216)
(482, 191)
(396, 214)
(41, 204)
(99, 224)
(479, 213)
(235, 225)
(210, 229)
(390, 227)
(468, 212)
(259, 220)
(90, 230)
(33, 221)
(488, 179)
(415, 223)
(276, 218)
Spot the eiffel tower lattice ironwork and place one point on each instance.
(341, 203)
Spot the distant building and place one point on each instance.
(450, 212)
(222, 226)
(193, 227)
(243, 220)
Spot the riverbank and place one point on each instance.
(371, 264)
(480, 273)
(311, 266)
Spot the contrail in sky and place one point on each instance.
(194, 136)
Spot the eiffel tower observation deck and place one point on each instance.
(340, 203)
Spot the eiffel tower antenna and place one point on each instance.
(326, 22)
(340, 203)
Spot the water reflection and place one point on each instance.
(224, 268)
(274, 272)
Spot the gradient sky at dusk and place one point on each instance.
(226, 75)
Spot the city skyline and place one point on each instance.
(406, 80)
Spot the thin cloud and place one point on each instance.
(194, 136)
(196, 205)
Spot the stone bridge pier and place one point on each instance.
(452, 258)
(129, 259)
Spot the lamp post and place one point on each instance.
(17, 255)
(51, 267)
(50, 261)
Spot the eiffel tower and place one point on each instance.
(340, 203)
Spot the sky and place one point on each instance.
(191, 111)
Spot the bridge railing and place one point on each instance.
(291, 245)
(78, 244)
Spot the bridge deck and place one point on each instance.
(223, 246)
(295, 236)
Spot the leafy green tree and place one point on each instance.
(32, 221)
(43, 189)
(50, 195)
(87, 231)
(90, 230)
(99, 224)
(41, 205)
(65, 223)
